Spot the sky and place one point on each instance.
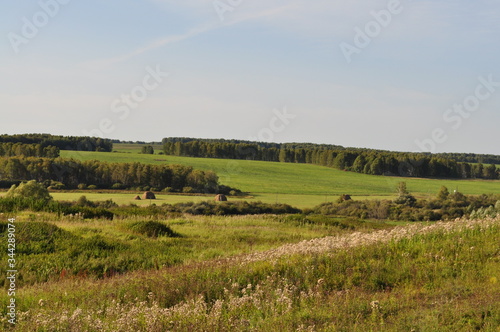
(401, 75)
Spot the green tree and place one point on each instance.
(30, 189)
(490, 172)
(283, 155)
(376, 167)
(148, 149)
(404, 197)
(443, 194)
(359, 164)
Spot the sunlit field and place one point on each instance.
(263, 274)
(257, 178)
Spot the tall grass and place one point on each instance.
(76, 248)
(437, 277)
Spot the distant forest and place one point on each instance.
(35, 156)
(73, 174)
(376, 162)
(61, 142)
(28, 150)
(459, 157)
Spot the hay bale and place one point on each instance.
(148, 195)
(137, 198)
(221, 198)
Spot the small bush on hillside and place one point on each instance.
(151, 229)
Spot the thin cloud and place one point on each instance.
(172, 39)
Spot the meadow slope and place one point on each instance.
(410, 278)
(300, 185)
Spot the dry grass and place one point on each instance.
(295, 287)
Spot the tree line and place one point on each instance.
(472, 158)
(259, 144)
(62, 142)
(365, 161)
(28, 150)
(73, 174)
(459, 157)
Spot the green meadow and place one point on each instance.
(258, 273)
(301, 185)
(300, 201)
(301, 272)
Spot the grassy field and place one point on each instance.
(125, 198)
(182, 272)
(300, 185)
(439, 277)
(92, 247)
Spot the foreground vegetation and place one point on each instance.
(438, 277)
(51, 250)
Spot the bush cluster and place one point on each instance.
(207, 208)
(151, 229)
(455, 205)
(233, 208)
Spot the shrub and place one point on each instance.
(56, 185)
(151, 229)
(187, 190)
(233, 208)
(31, 189)
(83, 201)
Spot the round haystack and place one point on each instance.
(221, 198)
(148, 195)
(137, 198)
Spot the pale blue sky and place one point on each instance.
(229, 78)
